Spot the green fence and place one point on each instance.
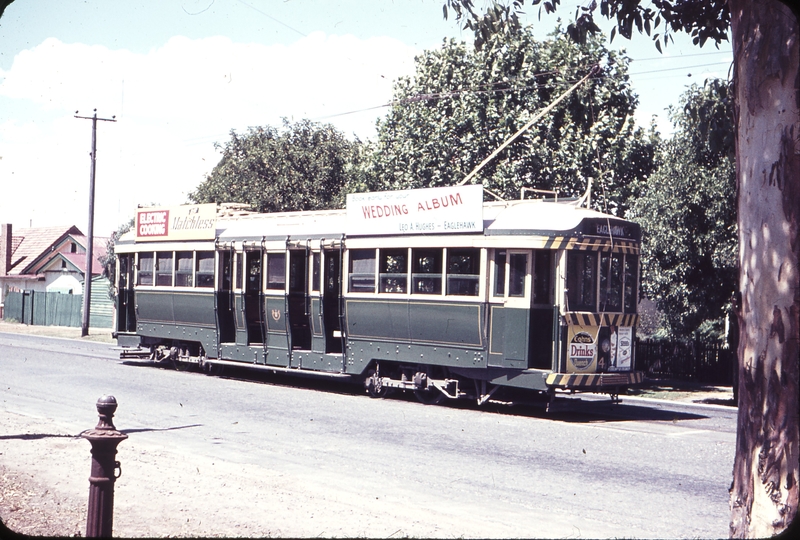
(56, 309)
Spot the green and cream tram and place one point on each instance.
(431, 291)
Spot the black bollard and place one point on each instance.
(104, 439)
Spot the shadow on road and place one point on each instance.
(37, 436)
(142, 430)
(573, 409)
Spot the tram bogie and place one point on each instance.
(457, 300)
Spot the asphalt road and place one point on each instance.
(639, 469)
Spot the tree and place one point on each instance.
(461, 104)
(304, 166)
(109, 260)
(687, 210)
(766, 47)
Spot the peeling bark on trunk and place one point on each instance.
(764, 493)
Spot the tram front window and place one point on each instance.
(581, 280)
(631, 282)
(611, 282)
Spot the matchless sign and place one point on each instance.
(188, 222)
(456, 209)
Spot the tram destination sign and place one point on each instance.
(457, 209)
(187, 222)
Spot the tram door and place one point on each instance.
(299, 301)
(325, 302)
(509, 309)
(225, 304)
(251, 298)
(126, 306)
(540, 337)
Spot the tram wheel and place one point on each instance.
(374, 387)
(429, 396)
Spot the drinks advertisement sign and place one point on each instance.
(456, 209)
(582, 349)
(187, 222)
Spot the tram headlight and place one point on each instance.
(605, 345)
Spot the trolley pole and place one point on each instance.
(87, 282)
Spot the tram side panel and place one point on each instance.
(414, 332)
(165, 317)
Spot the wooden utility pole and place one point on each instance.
(87, 281)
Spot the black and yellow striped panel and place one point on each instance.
(588, 381)
(592, 244)
(602, 319)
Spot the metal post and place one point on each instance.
(104, 439)
(87, 281)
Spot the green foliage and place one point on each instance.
(109, 260)
(303, 166)
(463, 103)
(687, 212)
(702, 20)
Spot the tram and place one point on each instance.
(432, 291)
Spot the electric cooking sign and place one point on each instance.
(185, 222)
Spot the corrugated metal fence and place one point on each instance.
(707, 363)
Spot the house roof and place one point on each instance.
(33, 248)
(30, 244)
(99, 248)
(79, 259)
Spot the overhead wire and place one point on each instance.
(455, 93)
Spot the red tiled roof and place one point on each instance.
(79, 259)
(35, 242)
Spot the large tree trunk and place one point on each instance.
(764, 493)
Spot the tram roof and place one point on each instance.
(518, 217)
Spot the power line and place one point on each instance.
(272, 18)
(678, 57)
(678, 68)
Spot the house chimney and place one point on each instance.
(5, 248)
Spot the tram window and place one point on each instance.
(183, 270)
(611, 282)
(164, 264)
(239, 271)
(276, 271)
(362, 270)
(542, 277)
(253, 284)
(394, 271)
(631, 283)
(145, 274)
(426, 271)
(315, 266)
(499, 273)
(463, 271)
(581, 280)
(205, 269)
(518, 269)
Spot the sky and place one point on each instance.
(177, 76)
